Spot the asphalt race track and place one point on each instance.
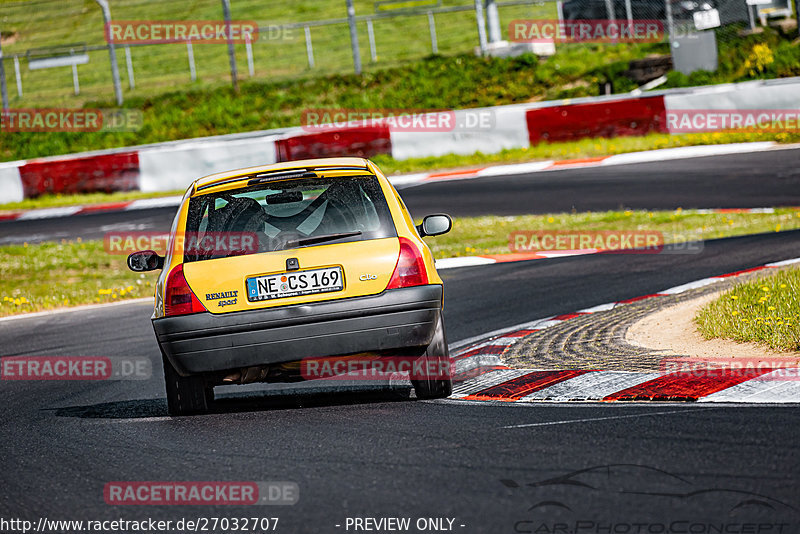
(770, 178)
(490, 468)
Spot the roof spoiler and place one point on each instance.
(283, 174)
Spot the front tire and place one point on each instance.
(186, 395)
(440, 384)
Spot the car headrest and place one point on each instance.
(243, 215)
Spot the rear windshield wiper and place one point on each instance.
(323, 238)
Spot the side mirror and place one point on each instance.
(145, 260)
(435, 225)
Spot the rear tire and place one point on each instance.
(440, 385)
(186, 395)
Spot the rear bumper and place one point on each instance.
(396, 318)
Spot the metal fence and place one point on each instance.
(55, 52)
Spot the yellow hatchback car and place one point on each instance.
(270, 269)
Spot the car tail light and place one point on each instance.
(179, 297)
(410, 269)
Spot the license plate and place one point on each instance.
(293, 284)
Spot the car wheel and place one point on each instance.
(440, 384)
(186, 395)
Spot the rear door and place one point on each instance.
(285, 242)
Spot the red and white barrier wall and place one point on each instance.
(172, 166)
(506, 129)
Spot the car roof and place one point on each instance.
(344, 164)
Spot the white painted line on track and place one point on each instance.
(405, 179)
(691, 285)
(518, 168)
(569, 253)
(591, 419)
(600, 307)
(161, 202)
(464, 261)
(686, 152)
(47, 213)
(60, 311)
(784, 262)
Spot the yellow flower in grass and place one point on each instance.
(764, 288)
(734, 312)
(783, 286)
(734, 297)
(771, 308)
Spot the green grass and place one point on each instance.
(566, 150)
(69, 273)
(490, 234)
(57, 275)
(766, 311)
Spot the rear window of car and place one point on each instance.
(286, 214)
